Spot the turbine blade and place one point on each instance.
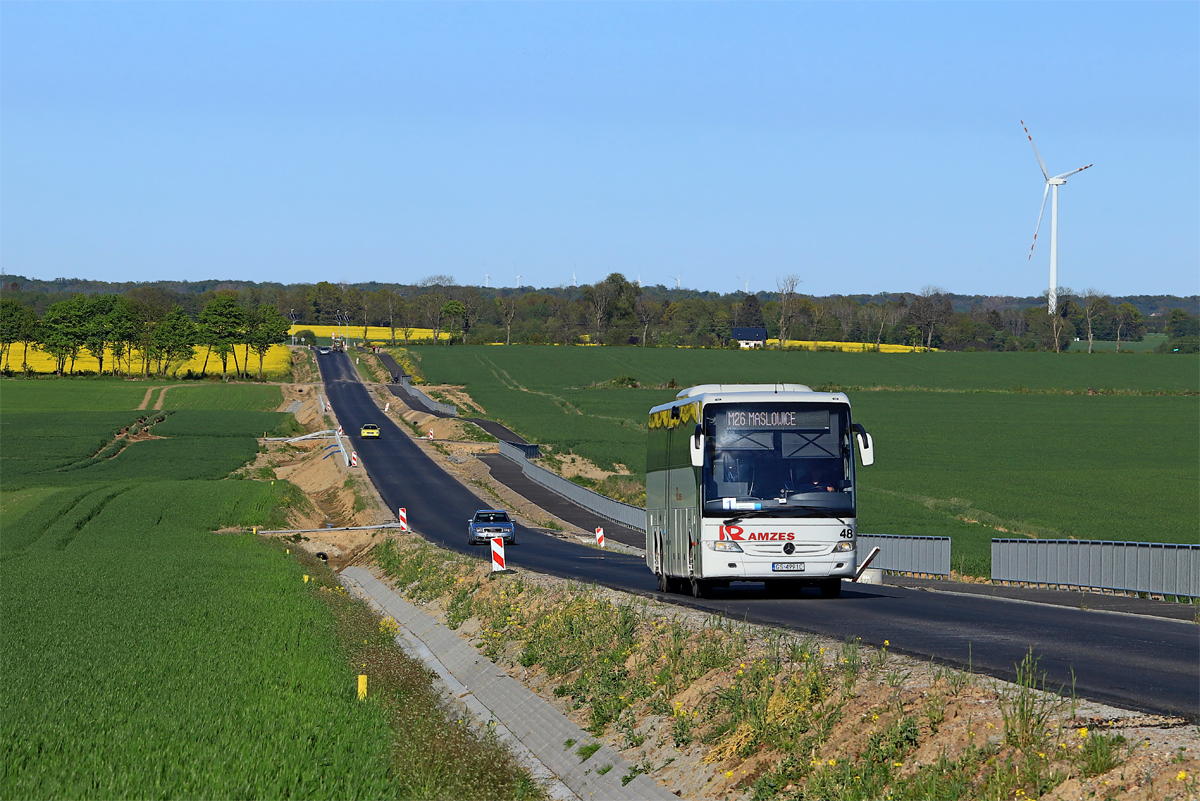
(1039, 225)
(1041, 163)
(1072, 172)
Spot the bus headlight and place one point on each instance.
(723, 545)
(844, 545)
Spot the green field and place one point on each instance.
(238, 397)
(960, 446)
(145, 656)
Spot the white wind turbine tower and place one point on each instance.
(486, 278)
(1056, 182)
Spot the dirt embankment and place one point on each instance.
(337, 496)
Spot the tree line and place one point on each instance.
(138, 337)
(159, 325)
(617, 312)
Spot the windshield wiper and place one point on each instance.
(774, 512)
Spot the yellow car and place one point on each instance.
(369, 430)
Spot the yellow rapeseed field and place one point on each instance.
(276, 364)
(849, 347)
(375, 333)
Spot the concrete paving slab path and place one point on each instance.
(526, 718)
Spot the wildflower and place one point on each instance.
(875, 716)
(729, 774)
(886, 643)
(990, 726)
(1181, 776)
(1083, 732)
(833, 762)
(897, 764)
(1043, 756)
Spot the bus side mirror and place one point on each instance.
(696, 447)
(866, 448)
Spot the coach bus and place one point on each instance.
(753, 482)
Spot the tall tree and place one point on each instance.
(787, 295)
(928, 310)
(507, 304)
(649, 310)
(270, 328)
(175, 339)
(64, 331)
(750, 314)
(10, 326)
(1095, 307)
(1128, 319)
(221, 328)
(98, 336)
(472, 307)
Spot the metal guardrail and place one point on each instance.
(623, 513)
(900, 554)
(529, 451)
(1150, 567)
(429, 403)
(342, 447)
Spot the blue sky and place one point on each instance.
(864, 147)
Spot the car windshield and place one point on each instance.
(370, 426)
(491, 517)
(790, 457)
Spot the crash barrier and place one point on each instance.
(900, 554)
(632, 516)
(342, 446)
(530, 451)
(429, 403)
(1156, 568)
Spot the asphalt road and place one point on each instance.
(1145, 663)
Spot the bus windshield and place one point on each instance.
(793, 458)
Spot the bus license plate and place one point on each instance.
(790, 567)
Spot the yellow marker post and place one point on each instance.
(362, 686)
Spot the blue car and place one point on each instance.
(488, 524)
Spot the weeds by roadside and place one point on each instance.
(774, 715)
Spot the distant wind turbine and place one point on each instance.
(486, 278)
(679, 281)
(1056, 182)
(574, 280)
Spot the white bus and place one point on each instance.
(752, 482)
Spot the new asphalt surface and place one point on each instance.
(1146, 663)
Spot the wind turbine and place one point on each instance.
(486, 279)
(1056, 182)
(574, 280)
(679, 281)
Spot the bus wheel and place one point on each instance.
(700, 588)
(831, 588)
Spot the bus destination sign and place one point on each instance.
(775, 419)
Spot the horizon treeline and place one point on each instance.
(617, 312)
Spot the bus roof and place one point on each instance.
(752, 393)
